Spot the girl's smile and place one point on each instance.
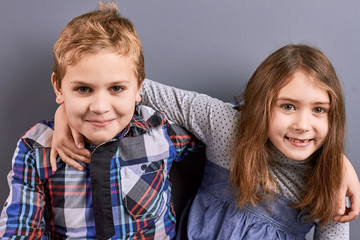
(299, 142)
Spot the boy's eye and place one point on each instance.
(288, 107)
(116, 89)
(83, 89)
(319, 110)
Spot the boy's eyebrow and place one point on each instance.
(297, 101)
(117, 82)
(120, 82)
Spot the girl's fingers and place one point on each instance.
(53, 155)
(82, 155)
(78, 138)
(70, 161)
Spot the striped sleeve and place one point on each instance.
(183, 141)
(23, 211)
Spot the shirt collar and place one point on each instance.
(137, 126)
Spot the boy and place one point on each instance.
(125, 191)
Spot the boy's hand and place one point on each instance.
(68, 143)
(350, 188)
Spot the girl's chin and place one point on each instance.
(298, 156)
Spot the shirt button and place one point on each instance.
(143, 167)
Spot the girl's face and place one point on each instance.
(299, 118)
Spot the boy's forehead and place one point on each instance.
(76, 61)
(101, 69)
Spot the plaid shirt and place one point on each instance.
(46, 205)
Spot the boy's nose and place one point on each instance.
(100, 105)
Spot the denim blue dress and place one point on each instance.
(214, 215)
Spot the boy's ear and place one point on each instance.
(138, 94)
(57, 90)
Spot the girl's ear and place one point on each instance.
(57, 90)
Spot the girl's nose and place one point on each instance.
(302, 121)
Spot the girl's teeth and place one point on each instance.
(298, 140)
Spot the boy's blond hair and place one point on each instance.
(103, 30)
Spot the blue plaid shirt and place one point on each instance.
(46, 205)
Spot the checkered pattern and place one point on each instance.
(46, 205)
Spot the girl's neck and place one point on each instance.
(276, 155)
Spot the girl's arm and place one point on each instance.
(350, 188)
(210, 120)
(183, 107)
(332, 230)
(67, 143)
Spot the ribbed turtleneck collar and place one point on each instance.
(277, 157)
(290, 175)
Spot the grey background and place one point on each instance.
(206, 45)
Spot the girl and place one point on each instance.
(281, 149)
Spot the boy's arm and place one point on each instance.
(23, 211)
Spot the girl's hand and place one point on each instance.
(350, 188)
(68, 143)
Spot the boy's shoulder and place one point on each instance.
(156, 122)
(155, 119)
(39, 135)
(149, 114)
(151, 117)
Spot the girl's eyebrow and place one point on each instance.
(297, 101)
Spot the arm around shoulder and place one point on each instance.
(350, 188)
(199, 113)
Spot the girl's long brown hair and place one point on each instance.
(250, 169)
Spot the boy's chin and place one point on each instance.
(96, 142)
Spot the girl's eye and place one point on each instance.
(116, 89)
(83, 89)
(319, 110)
(288, 107)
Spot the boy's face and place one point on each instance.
(99, 94)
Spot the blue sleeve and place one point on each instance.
(183, 141)
(23, 212)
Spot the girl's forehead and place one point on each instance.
(303, 87)
(307, 79)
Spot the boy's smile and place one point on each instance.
(299, 117)
(99, 94)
